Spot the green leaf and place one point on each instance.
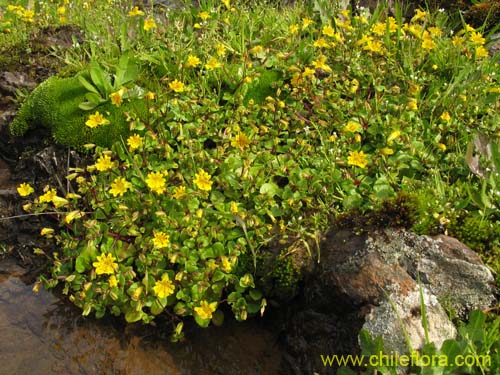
(218, 318)
(88, 86)
(87, 106)
(132, 316)
(201, 322)
(270, 189)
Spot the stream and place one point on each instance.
(42, 335)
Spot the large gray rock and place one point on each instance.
(376, 281)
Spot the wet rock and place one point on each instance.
(375, 281)
(10, 82)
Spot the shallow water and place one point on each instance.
(40, 335)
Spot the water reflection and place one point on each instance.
(42, 335)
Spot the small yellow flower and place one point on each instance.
(48, 196)
(394, 134)
(419, 15)
(412, 104)
(328, 31)
(481, 52)
(256, 50)
(119, 186)
(117, 97)
(61, 10)
(213, 64)
(321, 43)
(373, 46)
(179, 192)
(477, 38)
(203, 180)
(150, 95)
(320, 63)
(234, 207)
(104, 163)
(134, 142)
(161, 240)
(95, 120)
(25, 189)
(387, 151)
(164, 287)
(156, 182)
(441, 146)
(306, 22)
(59, 201)
(106, 264)
(240, 141)
(48, 232)
(72, 216)
(204, 15)
(293, 29)
(192, 61)
(445, 116)
(427, 42)
(135, 12)
(435, 31)
(226, 264)
(206, 310)
(176, 86)
(112, 281)
(352, 127)
(149, 23)
(357, 158)
(220, 49)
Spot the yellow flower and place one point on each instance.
(387, 151)
(352, 127)
(61, 10)
(104, 163)
(457, 41)
(213, 64)
(306, 22)
(119, 186)
(328, 31)
(204, 15)
(256, 50)
(445, 116)
(112, 281)
(205, 310)
(135, 12)
(419, 15)
(441, 146)
(357, 159)
(95, 120)
(481, 52)
(293, 29)
(202, 180)
(477, 38)
(149, 23)
(435, 31)
(179, 192)
(176, 86)
(427, 42)
(117, 97)
(394, 134)
(156, 182)
(192, 61)
(321, 43)
(412, 104)
(164, 287)
(106, 264)
(72, 216)
(134, 142)
(320, 63)
(59, 201)
(150, 95)
(234, 207)
(161, 240)
(226, 264)
(373, 46)
(240, 141)
(354, 86)
(220, 49)
(379, 28)
(47, 232)
(308, 72)
(48, 196)
(25, 189)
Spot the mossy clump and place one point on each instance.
(54, 104)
